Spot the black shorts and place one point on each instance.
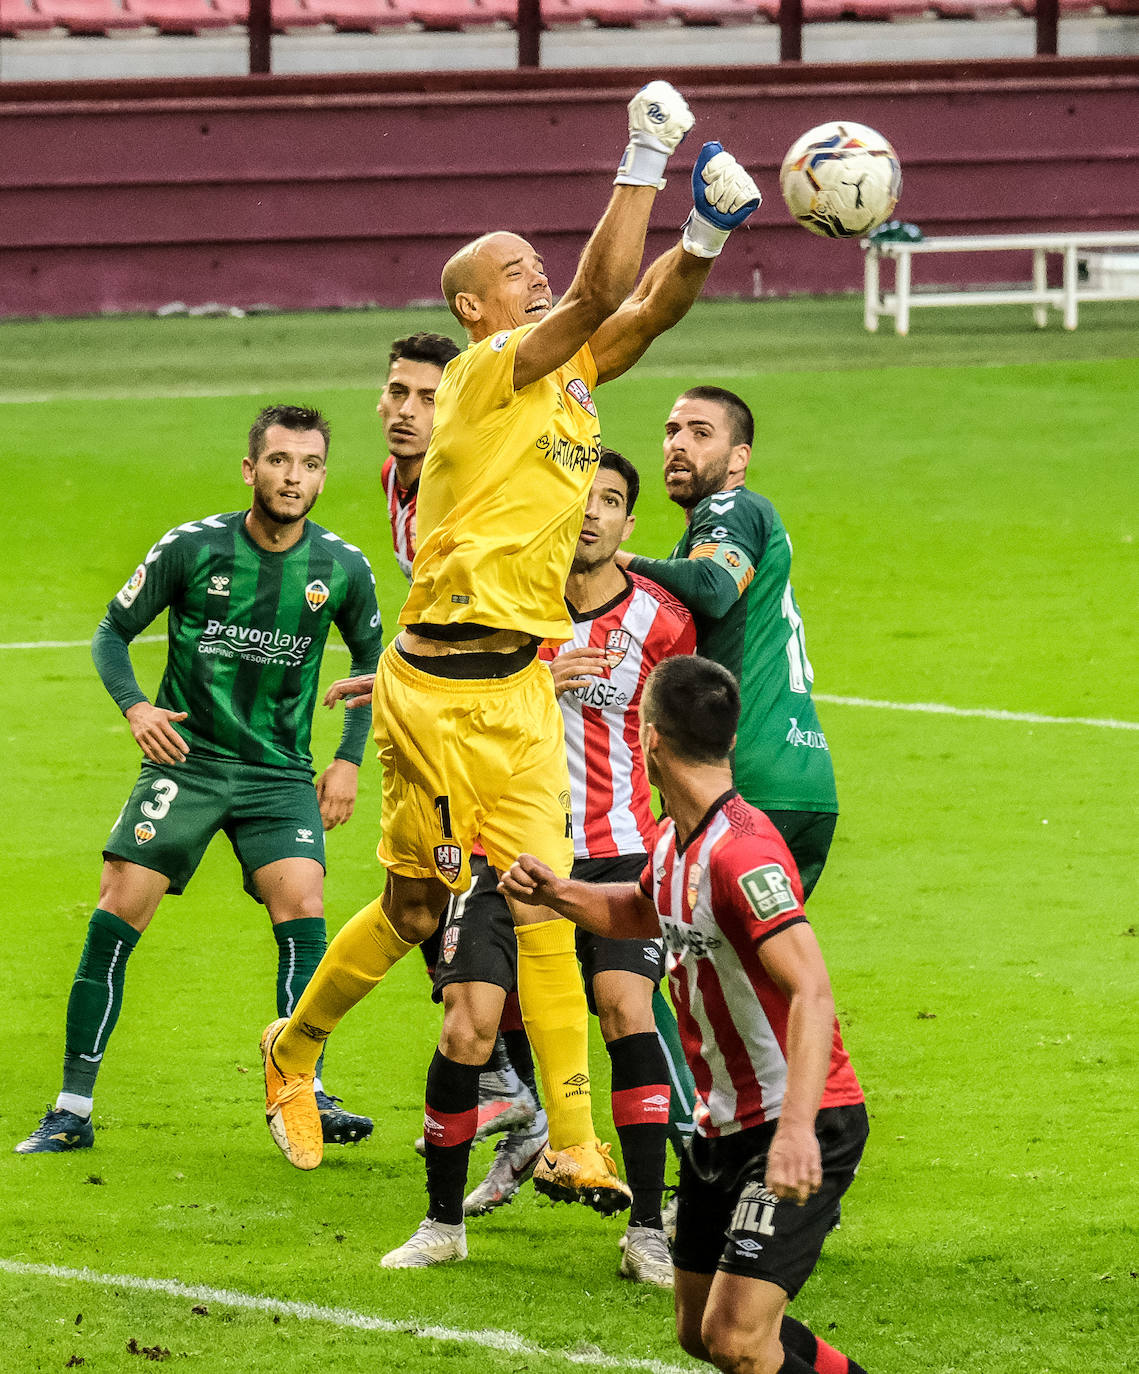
(478, 944)
(808, 835)
(726, 1218)
(595, 953)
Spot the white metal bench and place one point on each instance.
(1038, 294)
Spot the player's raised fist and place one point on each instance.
(723, 196)
(659, 118)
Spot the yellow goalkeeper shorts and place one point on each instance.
(469, 761)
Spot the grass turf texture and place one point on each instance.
(963, 505)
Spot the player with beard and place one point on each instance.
(731, 568)
(252, 596)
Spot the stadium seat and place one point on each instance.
(556, 14)
(821, 11)
(976, 9)
(180, 16)
(90, 16)
(722, 11)
(625, 14)
(446, 15)
(17, 17)
(286, 14)
(362, 16)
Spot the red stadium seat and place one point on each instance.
(624, 14)
(722, 11)
(446, 15)
(17, 16)
(179, 16)
(89, 16)
(362, 16)
(286, 14)
(976, 9)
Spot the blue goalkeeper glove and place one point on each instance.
(659, 118)
(724, 196)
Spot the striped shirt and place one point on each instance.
(401, 513)
(612, 800)
(732, 887)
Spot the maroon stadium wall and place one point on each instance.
(302, 192)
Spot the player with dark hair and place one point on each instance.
(468, 727)
(252, 596)
(407, 411)
(781, 1122)
(731, 568)
(622, 626)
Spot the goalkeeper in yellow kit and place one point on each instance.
(469, 733)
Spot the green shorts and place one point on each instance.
(176, 810)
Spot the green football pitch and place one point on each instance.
(965, 510)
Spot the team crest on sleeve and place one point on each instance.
(143, 832)
(449, 860)
(768, 891)
(316, 594)
(580, 392)
(617, 643)
(133, 586)
(498, 343)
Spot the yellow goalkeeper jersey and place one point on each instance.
(502, 493)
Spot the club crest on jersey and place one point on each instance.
(316, 594)
(143, 832)
(449, 860)
(580, 392)
(617, 644)
(133, 586)
(694, 875)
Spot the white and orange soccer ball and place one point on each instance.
(841, 180)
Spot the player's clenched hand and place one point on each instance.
(336, 792)
(577, 668)
(352, 691)
(529, 880)
(723, 196)
(659, 118)
(154, 732)
(794, 1166)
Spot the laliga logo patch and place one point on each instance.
(449, 860)
(694, 875)
(316, 594)
(133, 587)
(580, 392)
(144, 831)
(617, 644)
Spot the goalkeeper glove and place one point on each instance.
(724, 196)
(659, 118)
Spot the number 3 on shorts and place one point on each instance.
(164, 793)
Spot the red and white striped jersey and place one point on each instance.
(732, 887)
(612, 800)
(401, 513)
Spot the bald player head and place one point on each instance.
(496, 282)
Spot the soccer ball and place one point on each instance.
(841, 180)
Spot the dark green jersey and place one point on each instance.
(247, 629)
(732, 570)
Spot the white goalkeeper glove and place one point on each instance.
(724, 196)
(659, 118)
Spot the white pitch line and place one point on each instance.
(506, 1341)
(935, 708)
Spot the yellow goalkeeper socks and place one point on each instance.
(357, 959)
(556, 1020)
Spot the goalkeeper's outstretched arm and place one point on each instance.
(724, 195)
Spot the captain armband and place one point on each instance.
(729, 557)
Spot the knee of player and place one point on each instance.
(466, 1039)
(688, 1334)
(740, 1349)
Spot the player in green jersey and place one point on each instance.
(731, 568)
(251, 596)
